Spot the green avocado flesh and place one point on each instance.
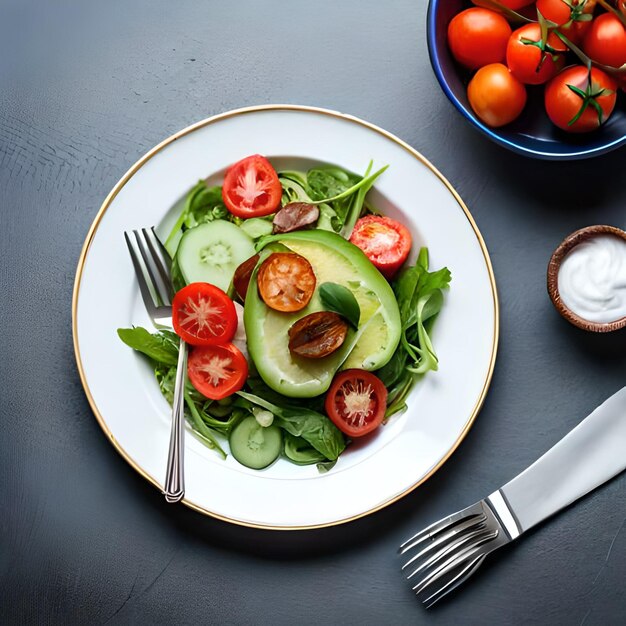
(333, 260)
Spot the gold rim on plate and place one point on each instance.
(212, 120)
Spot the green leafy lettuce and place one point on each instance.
(419, 293)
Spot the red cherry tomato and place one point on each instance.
(605, 41)
(571, 16)
(251, 187)
(202, 315)
(566, 106)
(526, 59)
(478, 37)
(356, 402)
(511, 4)
(385, 241)
(217, 371)
(495, 95)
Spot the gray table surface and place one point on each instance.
(86, 88)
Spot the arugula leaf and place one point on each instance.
(204, 204)
(326, 182)
(161, 347)
(341, 300)
(419, 294)
(341, 196)
(294, 187)
(200, 427)
(312, 426)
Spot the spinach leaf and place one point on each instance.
(299, 451)
(312, 426)
(341, 300)
(161, 346)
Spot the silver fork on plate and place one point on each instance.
(152, 268)
(448, 552)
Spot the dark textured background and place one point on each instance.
(85, 89)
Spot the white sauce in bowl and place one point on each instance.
(592, 279)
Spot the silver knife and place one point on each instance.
(447, 552)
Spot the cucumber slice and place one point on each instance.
(256, 227)
(254, 446)
(211, 252)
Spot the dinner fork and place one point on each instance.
(152, 268)
(448, 552)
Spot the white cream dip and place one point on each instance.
(592, 279)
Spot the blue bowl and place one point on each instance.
(532, 133)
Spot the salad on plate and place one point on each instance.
(307, 324)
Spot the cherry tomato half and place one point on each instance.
(385, 241)
(605, 41)
(202, 315)
(217, 371)
(251, 187)
(356, 402)
(563, 104)
(495, 95)
(478, 37)
(572, 16)
(526, 59)
(286, 281)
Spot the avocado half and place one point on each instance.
(369, 347)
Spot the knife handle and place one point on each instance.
(586, 457)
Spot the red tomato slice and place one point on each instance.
(217, 371)
(251, 187)
(385, 242)
(203, 315)
(356, 402)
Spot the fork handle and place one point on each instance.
(584, 459)
(174, 488)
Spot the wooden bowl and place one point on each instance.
(553, 278)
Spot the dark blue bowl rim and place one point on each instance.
(560, 156)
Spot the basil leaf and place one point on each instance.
(162, 347)
(341, 300)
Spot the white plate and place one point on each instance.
(120, 385)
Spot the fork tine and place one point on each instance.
(440, 526)
(457, 580)
(447, 550)
(144, 289)
(443, 536)
(159, 256)
(450, 564)
(160, 287)
(445, 568)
